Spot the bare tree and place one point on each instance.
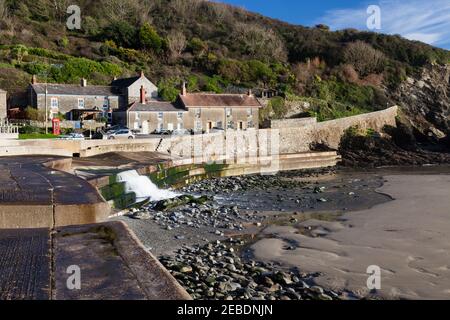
(364, 58)
(261, 42)
(6, 21)
(60, 9)
(176, 43)
(186, 8)
(4, 12)
(118, 10)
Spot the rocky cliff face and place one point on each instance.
(425, 100)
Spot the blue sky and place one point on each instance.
(427, 21)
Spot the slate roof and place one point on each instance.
(77, 90)
(156, 106)
(219, 100)
(125, 82)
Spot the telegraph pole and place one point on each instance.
(46, 107)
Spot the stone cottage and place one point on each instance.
(74, 100)
(200, 112)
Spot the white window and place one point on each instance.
(198, 113)
(228, 111)
(198, 125)
(106, 104)
(80, 103)
(180, 126)
(160, 126)
(249, 112)
(54, 103)
(180, 115)
(160, 115)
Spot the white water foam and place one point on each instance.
(143, 187)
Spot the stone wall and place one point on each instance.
(330, 132)
(292, 123)
(281, 140)
(237, 145)
(66, 103)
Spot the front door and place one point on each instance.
(145, 129)
(170, 126)
(241, 125)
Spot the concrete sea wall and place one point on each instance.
(284, 138)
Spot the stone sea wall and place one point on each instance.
(330, 132)
(284, 138)
(237, 145)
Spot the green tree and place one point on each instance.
(122, 33)
(149, 38)
(168, 89)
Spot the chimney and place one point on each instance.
(143, 95)
(83, 82)
(34, 79)
(183, 89)
(142, 74)
(115, 78)
(250, 93)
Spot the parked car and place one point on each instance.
(115, 128)
(121, 134)
(217, 130)
(163, 132)
(72, 136)
(180, 132)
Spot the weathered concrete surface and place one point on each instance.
(25, 264)
(34, 195)
(98, 170)
(113, 265)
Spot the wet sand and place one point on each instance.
(408, 238)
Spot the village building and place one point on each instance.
(74, 101)
(134, 102)
(198, 112)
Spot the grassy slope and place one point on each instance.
(224, 57)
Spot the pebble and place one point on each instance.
(215, 272)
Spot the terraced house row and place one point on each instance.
(134, 102)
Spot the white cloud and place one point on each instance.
(426, 21)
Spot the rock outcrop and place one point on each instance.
(425, 101)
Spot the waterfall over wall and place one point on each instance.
(143, 187)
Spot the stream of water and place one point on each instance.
(143, 187)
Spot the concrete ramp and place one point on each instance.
(36, 264)
(35, 193)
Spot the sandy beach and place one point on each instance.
(408, 238)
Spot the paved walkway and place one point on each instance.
(34, 194)
(34, 265)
